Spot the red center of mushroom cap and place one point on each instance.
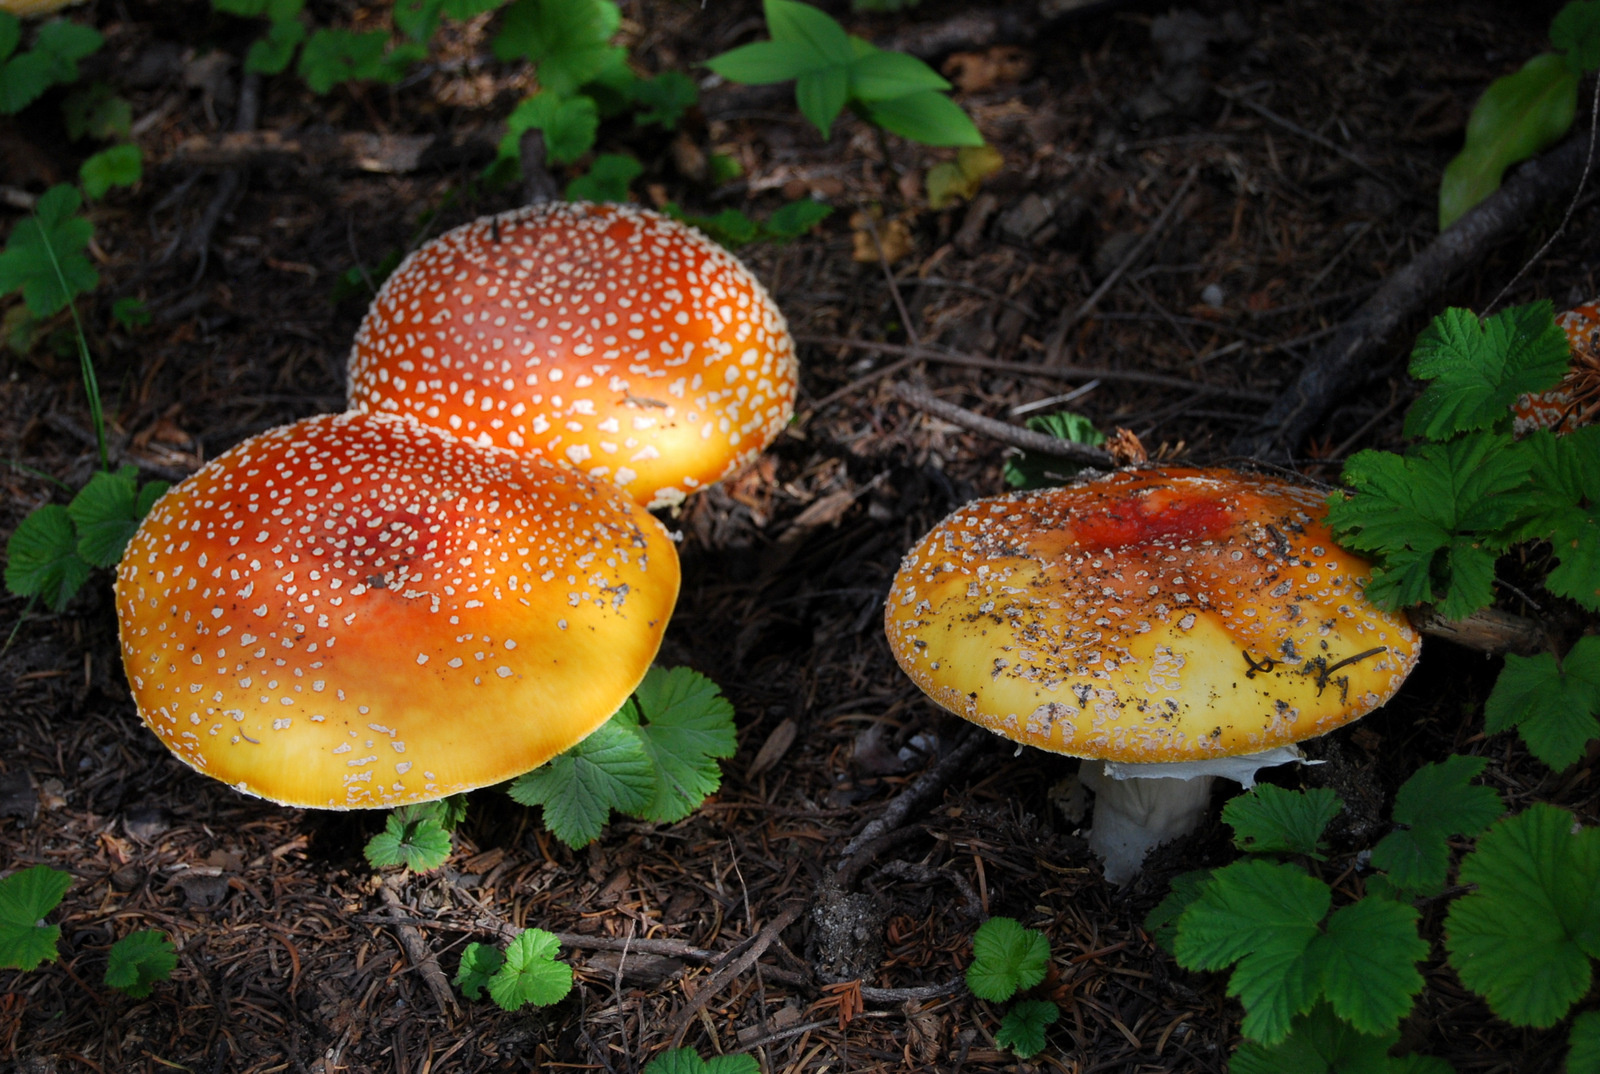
(1147, 616)
(609, 336)
(356, 610)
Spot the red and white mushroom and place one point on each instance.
(1175, 624)
(608, 336)
(1576, 400)
(359, 611)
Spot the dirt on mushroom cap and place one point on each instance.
(1148, 616)
(609, 336)
(357, 611)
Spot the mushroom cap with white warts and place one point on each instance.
(608, 336)
(1147, 616)
(357, 611)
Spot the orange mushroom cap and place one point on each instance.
(358, 611)
(610, 336)
(1574, 402)
(1149, 616)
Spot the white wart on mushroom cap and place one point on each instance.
(609, 336)
(357, 611)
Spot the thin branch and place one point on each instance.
(1005, 432)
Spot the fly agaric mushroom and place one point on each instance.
(610, 336)
(358, 611)
(1177, 624)
(1576, 400)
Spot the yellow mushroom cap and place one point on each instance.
(357, 611)
(609, 336)
(1148, 616)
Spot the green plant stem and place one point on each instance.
(91, 383)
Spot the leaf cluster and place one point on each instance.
(46, 256)
(1523, 113)
(832, 69)
(417, 836)
(1007, 959)
(527, 972)
(1436, 518)
(655, 759)
(51, 60)
(733, 228)
(54, 550)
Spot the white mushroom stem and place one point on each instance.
(1137, 807)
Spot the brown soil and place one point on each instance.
(1306, 140)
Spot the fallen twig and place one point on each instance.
(417, 950)
(1005, 432)
(725, 974)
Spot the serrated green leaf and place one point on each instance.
(25, 897)
(569, 126)
(1524, 938)
(54, 237)
(686, 727)
(821, 95)
(23, 79)
(96, 111)
(579, 788)
(1553, 707)
(1263, 917)
(531, 973)
(1583, 1051)
(65, 43)
(1480, 368)
(881, 75)
(332, 56)
(1022, 1028)
(607, 179)
(1318, 1043)
(795, 218)
(566, 39)
(42, 558)
(730, 228)
(118, 165)
(413, 836)
(1518, 116)
(927, 116)
(1438, 801)
(1271, 820)
(140, 960)
(1368, 954)
(1576, 32)
(479, 963)
(105, 515)
(270, 54)
(1006, 959)
(664, 99)
(688, 1061)
(1162, 921)
(10, 34)
(732, 1064)
(1035, 470)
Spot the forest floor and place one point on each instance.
(1298, 146)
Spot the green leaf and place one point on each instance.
(686, 726)
(569, 126)
(1523, 940)
(42, 558)
(1318, 1043)
(10, 34)
(64, 44)
(1438, 801)
(1264, 917)
(795, 218)
(55, 236)
(664, 99)
(131, 313)
(140, 960)
(730, 227)
(1368, 955)
(1479, 369)
(25, 897)
(688, 1061)
(1162, 921)
(1583, 1054)
(270, 54)
(607, 179)
(1552, 706)
(1576, 32)
(1006, 959)
(1022, 1028)
(732, 1064)
(801, 24)
(331, 56)
(531, 973)
(1271, 820)
(479, 964)
(1518, 116)
(762, 63)
(23, 79)
(881, 75)
(821, 95)
(927, 116)
(412, 836)
(96, 112)
(1033, 470)
(105, 514)
(119, 165)
(566, 39)
(1566, 474)
(579, 788)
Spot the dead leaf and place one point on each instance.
(773, 749)
(894, 237)
(974, 71)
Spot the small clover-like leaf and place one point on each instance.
(27, 896)
(579, 788)
(531, 973)
(1438, 801)
(664, 99)
(1552, 706)
(1524, 939)
(140, 960)
(479, 963)
(795, 218)
(569, 125)
(412, 836)
(1006, 959)
(568, 40)
(686, 727)
(1271, 820)
(1022, 1028)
